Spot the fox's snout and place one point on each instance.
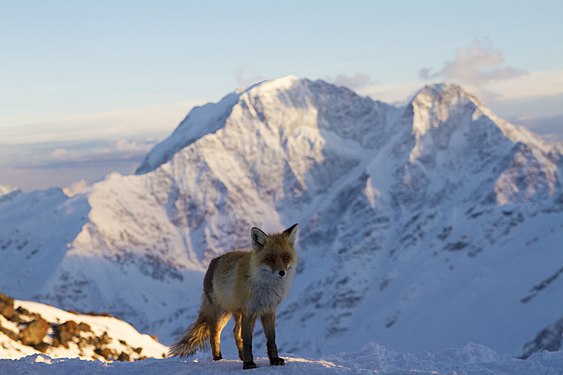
(281, 274)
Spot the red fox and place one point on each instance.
(247, 285)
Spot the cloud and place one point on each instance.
(244, 80)
(395, 94)
(75, 188)
(354, 82)
(551, 128)
(32, 166)
(59, 153)
(75, 154)
(56, 150)
(478, 63)
(150, 121)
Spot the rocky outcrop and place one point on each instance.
(34, 332)
(7, 308)
(550, 338)
(24, 330)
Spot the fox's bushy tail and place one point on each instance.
(195, 338)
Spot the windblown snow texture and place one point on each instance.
(470, 360)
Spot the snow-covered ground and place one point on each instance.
(473, 359)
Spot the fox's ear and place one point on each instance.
(291, 233)
(258, 238)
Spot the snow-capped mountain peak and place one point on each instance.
(428, 221)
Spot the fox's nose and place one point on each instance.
(281, 273)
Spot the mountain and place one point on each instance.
(30, 327)
(8, 192)
(422, 227)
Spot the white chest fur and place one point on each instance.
(268, 292)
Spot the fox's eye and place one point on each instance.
(270, 259)
(285, 258)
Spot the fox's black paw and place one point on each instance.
(217, 357)
(248, 365)
(277, 361)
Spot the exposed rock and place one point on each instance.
(7, 309)
(42, 347)
(550, 338)
(23, 311)
(84, 327)
(33, 334)
(107, 353)
(10, 314)
(5, 300)
(65, 333)
(104, 339)
(124, 357)
(9, 333)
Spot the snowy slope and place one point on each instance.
(6, 189)
(372, 359)
(422, 227)
(8, 192)
(70, 335)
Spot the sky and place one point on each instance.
(87, 87)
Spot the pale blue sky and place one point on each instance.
(76, 69)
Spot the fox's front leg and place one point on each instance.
(248, 322)
(269, 324)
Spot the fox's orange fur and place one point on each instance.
(246, 285)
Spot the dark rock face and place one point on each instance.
(9, 333)
(550, 338)
(33, 334)
(7, 309)
(65, 332)
(106, 353)
(6, 301)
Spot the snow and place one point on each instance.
(372, 359)
(8, 192)
(6, 189)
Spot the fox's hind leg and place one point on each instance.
(237, 332)
(216, 326)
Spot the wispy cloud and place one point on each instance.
(477, 63)
(354, 82)
(550, 128)
(244, 79)
(42, 165)
(127, 123)
(57, 155)
(56, 150)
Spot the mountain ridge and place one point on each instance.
(395, 205)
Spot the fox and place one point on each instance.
(246, 285)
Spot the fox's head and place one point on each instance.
(275, 254)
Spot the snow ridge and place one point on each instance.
(471, 360)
